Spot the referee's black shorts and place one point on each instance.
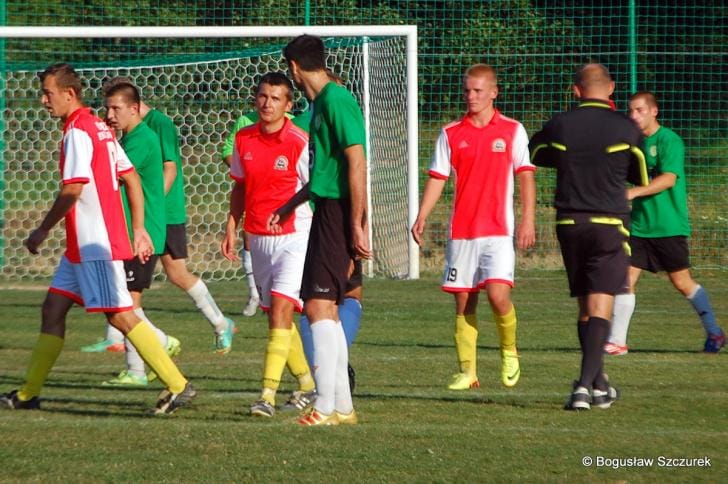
(596, 257)
(328, 258)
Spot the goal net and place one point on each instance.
(204, 84)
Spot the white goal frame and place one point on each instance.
(361, 31)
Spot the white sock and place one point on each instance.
(342, 399)
(205, 303)
(326, 354)
(113, 334)
(622, 314)
(134, 362)
(248, 269)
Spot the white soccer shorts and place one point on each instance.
(473, 263)
(99, 285)
(278, 266)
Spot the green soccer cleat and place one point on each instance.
(510, 368)
(463, 381)
(173, 348)
(126, 379)
(224, 341)
(104, 345)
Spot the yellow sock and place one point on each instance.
(506, 325)
(146, 342)
(466, 340)
(297, 364)
(44, 356)
(276, 354)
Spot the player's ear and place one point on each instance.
(576, 90)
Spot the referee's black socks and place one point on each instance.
(592, 336)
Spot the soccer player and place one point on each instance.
(595, 151)
(142, 147)
(485, 150)
(339, 229)
(91, 271)
(269, 165)
(660, 227)
(173, 259)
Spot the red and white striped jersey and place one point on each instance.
(273, 168)
(95, 225)
(484, 161)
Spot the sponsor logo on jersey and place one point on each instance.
(281, 163)
(653, 150)
(248, 156)
(463, 144)
(499, 145)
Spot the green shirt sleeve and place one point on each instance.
(671, 155)
(242, 121)
(347, 120)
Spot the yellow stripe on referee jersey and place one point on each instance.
(618, 147)
(611, 221)
(566, 221)
(643, 165)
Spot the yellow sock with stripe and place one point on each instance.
(44, 356)
(276, 354)
(297, 363)
(466, 340)
(146, 341)
(506, 325)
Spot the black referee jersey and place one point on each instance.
(595, 151)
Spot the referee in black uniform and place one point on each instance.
(595, 151)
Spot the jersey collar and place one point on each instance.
(594, 103)
(78, 112)
(493, 121)
(278, 135)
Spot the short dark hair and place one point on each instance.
(307, 51)
(649, 97)
(277, 79)
(66, 77)
(127, 90)
(592, 74)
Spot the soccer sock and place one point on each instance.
(307, 340)
(276, 354)
(114, 335)
(581, 328)
(155, 355)
(205, 303)
(592, 358)
(342, 398)
(297, 364)
(326, 356)
(466, 338)
(350, 315)
(248, 269)
(701, 304)
(134, 362)
(506, 325)
(44, 356)
(622, 314)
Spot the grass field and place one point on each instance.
(412, 429)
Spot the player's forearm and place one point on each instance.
(237, 206)
(357, 184)
(65, 200)
(658, 184)
(432, 193)
(527, 190)
(169, 173)
(302, 196)
(135, 195)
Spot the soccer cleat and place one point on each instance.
(604, 399)
(299, 401)
(173, 348)
(615, 349)
(126, 379)
(579, 399)
(252, 306)
(314, 417)
(262, 408)
(224, 341)
(13, 402)
(714, 342)
(347, 419)
(352, 378)
(463, 381)
(169, 402)
(104, 345)
(510, 368)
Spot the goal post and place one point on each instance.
(204, 90)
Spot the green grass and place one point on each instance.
(412, 429)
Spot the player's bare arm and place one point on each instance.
(433, 190)
(230, 237)
(658, 184)
(65, 200)
(358, 192)
(526, 231)
(277, 218)
(142, 243)
(169, 173)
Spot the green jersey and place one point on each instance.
(169, 141)
(243, 121)
(663, 214)
(337, 124)
(142, 147)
